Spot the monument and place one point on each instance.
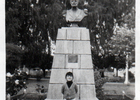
(73, 54)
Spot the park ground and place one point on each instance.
(109, 88)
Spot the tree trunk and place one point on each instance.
(44, 72)
(102, 73)
(49, 43)
(126, 72)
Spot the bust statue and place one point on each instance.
(74, 14)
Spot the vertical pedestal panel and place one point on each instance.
(87, 92)
(83, 76)
(54, 92)
(59, 61)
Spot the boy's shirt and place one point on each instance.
(69, 84)
(69, 93)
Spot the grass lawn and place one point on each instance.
(112, 88)
(32, 85)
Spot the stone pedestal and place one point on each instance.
(72, 54)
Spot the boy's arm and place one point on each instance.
(76, 88)
(62, 89)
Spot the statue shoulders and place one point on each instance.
(77, 15)
(78, 10)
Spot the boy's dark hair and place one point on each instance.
(69, 74)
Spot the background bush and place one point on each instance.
(99, 82)
(12, 87)
(130, 76)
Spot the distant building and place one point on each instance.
(121, 72)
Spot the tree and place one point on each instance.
(123, 41)
(46, 63)
(36, 58)
(102, 17)
(28, 21)
(28, 24)
(13, 57)
(46, 17)
(32, 23)
(110, 13)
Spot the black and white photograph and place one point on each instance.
(70, 50)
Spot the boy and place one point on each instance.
(69, 89)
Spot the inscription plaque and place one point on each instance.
(72, 58)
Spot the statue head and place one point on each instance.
(74, 3)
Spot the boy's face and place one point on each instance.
(69, 78)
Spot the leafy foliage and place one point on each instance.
(99, 82)
(47, 15)
(12, 87)
(13, 57)
(33, 23)
(31, 28)
(123, 41)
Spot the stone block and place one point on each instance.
(86, 61)
(82, 47)
(73, 34)
(59, 61)
(68, 46)
(58, 75)
(83, 76)
(87, 92)
(59, 47)
(85, 34)
(72, 64)
(54, 92)
(61, 34)
(64, 46)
